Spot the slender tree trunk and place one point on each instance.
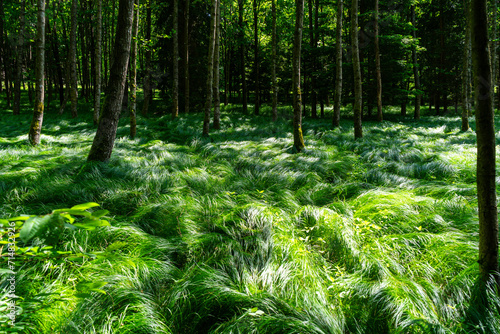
(465, 70)
(256, 60)
(175, 40)
(216, 87)
(274, 81)
(416, 73)
(18, 50)
(485, 129)
(358, 92)
(227, 63)
(298, 139)
(338, 79)
(2, 42)
(494, 51)
(106, 130)
(147, 76)
(72, 60)
(242, 56)
(312, 44)
(133, 71)
(57, 58)
(210, 70)
(36, 122)
(380, 116)
(98, 63)
(317, 91)
(186, 56)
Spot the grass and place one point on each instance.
(236, 234)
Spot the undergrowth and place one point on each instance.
(236, 234)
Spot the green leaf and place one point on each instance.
(73, 212)
(33, 227)
(99, 213)
(91, 224)
(19, 218)
(84, 206)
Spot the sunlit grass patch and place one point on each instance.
(237, 234)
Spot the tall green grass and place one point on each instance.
(236, 234)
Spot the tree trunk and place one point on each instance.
(133, 71)
(210, 68)
(72, 60)
(98, 63)
(36, 122)
(312, 44)
(147, 75)
(2, 42)
(416, 73)
(175, 41)
(186, 56)
(465, 70)
(256, 59)
(338, 79)
(380, 116)
(358, 92)
(274, 81)
(216, 87)
(57, 58)
(106, 131)
(494, 50)
(486, 187)
(242, 57)
(18, 50)
(298, 139)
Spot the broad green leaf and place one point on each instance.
(33, 227)
(99, 213)
(84, 206)
(73, 212)
(19, 218)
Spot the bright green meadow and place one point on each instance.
(237, 234)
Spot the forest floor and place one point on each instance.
(236, 234)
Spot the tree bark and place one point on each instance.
(2, 42)
(298, 139)
(36, 122)
(338, 79)
(175, 41)
(465, 70)
(494, 51)
(72, 60)
(256, 59)
(186, 56)
(274, 81)
(242, 57)
(358, 92)
(216, 87)
(210, 70)
(147, 75)
(98, 63)
(312, 44)
(133, 71)
(18, 50)
(380, 116)
(106, 131)
(485, 129)
(416, 73)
